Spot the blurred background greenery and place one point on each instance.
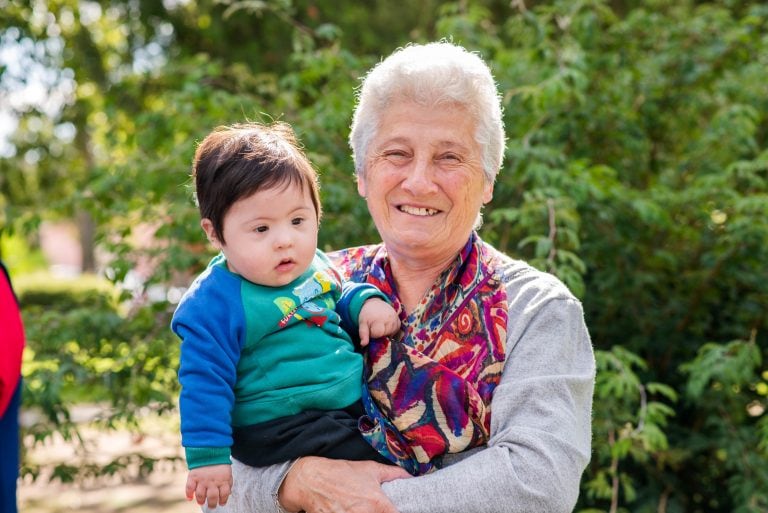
(636, 170)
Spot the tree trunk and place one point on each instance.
(87, 230)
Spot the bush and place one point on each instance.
(42, 292)
(80, 349)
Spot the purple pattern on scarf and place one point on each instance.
(431, 389)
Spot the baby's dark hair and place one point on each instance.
(235, 161)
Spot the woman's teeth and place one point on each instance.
(417, 211)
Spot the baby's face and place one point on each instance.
(271, 235)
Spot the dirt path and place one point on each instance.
(162, 491)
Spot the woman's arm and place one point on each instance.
(540, 431)
(313, 484)
(254, 489)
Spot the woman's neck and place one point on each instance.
(414, 277)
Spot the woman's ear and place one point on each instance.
(207, 227)
(361, 185)
(487, 193)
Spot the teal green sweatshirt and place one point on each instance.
(251, 353)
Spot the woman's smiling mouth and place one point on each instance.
(417, 211)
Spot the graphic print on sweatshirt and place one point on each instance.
(306, 310)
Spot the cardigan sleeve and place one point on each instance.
(540, 427)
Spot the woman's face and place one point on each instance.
(423, 180)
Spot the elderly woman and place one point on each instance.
(493, 375)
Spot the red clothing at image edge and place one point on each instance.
(11, 341)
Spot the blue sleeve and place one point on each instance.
(210, 323)
(353, 295)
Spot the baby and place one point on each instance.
(269, 371)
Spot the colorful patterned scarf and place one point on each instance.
(429, 392)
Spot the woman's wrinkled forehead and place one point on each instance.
(408, 121)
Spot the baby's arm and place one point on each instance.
(377, 319)
(211, 484)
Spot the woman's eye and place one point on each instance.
(262, 229)
(395, 154)
(451, 157)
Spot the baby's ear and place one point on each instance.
(207, 227)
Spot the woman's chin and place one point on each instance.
(413, 238)
(416, 244)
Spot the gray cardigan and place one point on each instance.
(540, 426)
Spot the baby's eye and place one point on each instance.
(261, 229)
(297, 220)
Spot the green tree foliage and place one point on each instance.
(636, 170)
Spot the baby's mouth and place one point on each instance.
(285, 262)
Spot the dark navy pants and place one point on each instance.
(333, 434)
(9, 453)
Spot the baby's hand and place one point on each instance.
(212, 483)
(377, 319)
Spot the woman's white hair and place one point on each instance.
(432, 74)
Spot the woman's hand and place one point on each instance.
(317, 485)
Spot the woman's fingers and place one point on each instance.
(317, 485)
(390, 473)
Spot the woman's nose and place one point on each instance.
(420, 178)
